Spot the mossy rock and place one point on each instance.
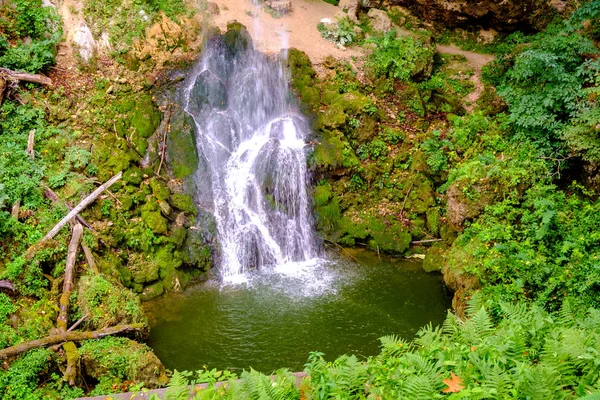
(152, 291)
(354, 102)
(208, 92)
(196, 252)
(389, 239)
(159, 189)
(155, 221)
(433, 220)
(237, 38)
(107, 302)
(183, 202)
(113, 360)
(146, 117)
(182, 156)
(133, 176)
(333, 117)
(143, 268)
(435, 258)
(125, 104)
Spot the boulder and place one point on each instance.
(351, 8)
(208, 92)
(279, 6)
(507, 15)
(380, 21)
(84, 43)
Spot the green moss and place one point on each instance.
(322, 194)
(181, 146)
(143, 268)
(107, 303)
(159, 189)
(133, 176)
(237, 38)
(155, 221)
(115, 360)
(183, 202)
(196, 252)
(152, 291)
(145, 117)
(433, 220)
(389, 239)
(333, 117)
(434, 259)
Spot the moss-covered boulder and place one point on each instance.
(152, 291)
(159, 189)
(434, 259)
(333, 117)
(183, 202)
(106, 303)
(237, 38)
(112, 361)
(182, 156)
(153, 219)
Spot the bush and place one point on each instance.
(342, 33)
(28, 19)
(403, 57)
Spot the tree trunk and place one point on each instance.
(61, 322)
(66, 337)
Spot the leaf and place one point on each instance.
(455, 384)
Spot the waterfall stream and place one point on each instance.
(251, 140)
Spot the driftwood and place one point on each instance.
(9, 80)
(90, 258)
(30, 142)
(61, 322)
(66, 337)
(51, 194)
(4, 284)
(15, 209)
(426, 241)
(164, 141)
(84, 203)
(25, 77)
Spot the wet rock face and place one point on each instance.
(507, 15)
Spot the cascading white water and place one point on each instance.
(251, 140)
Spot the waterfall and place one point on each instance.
(251, 139)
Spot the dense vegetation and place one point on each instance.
(508, 184)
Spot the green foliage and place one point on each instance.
(342, 33)
(543, 249)
(401, 57)
(28, 19)
(20, 380)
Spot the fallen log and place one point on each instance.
(78, 208)
(25, 77)
(51, 194)
(63, 309)
(66, 337)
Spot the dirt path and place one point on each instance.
(297, 29)
(477, 61)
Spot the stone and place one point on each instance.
(98, 361)
(434, 259)
(279, 6)
(152, 291)
(85, 44)
(351, 8)
(507, 15)
(208, 92)
(380, 21)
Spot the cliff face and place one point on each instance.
(506, 15)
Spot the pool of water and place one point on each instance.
(277, 317)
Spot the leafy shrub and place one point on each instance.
(402, 57)
(342, 33)
(29, 19)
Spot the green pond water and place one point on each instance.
(276, 318)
